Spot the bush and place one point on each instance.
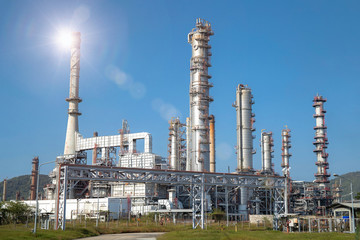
(218, 215)
(16, 212)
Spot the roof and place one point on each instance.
(343, 204)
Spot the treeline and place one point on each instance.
(22, 184)
(15, 212)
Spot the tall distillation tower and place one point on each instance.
(321, 142)
(285, 136)
(74, 100)
(198, 124)
(267, 144)
(244, 128)
(176, 145)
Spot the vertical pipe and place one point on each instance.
(74, 100)
(239, 146)
(199, 94)
(212, 144)
(286, 196)
(188, 145)
(94, 153)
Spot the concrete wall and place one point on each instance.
(260, 218)
(88, 207)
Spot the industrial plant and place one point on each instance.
(111, 173)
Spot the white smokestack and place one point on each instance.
(73, 113)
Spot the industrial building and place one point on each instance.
(139, 181)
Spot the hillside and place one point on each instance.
(354, 177)
(22, 184)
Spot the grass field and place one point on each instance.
(76, 230)
(20, 231)
(250, 235)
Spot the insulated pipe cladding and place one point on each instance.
(34, 175)
(74, 100)
(212, 144)
(244, 128)
(321, 142)
(199, 95)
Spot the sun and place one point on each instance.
(64, 38)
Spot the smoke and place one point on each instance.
(224, 151)
(166, 110)
(125, 82)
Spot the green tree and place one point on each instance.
(357, 196)
(18, 212)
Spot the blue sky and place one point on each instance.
(286, 51)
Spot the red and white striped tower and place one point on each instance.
(321, 142)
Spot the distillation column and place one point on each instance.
(199, 95)
(267, 144)
(244, 128)
(285, 136)
(174, 148)
(73, 113)
(321, 142)
(34, 175)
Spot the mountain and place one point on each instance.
(345, 184)
(22, 184)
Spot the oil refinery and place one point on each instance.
(124, 179)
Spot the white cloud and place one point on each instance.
(224, 151)
(136, 89)
(166, 110)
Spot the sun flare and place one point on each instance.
(65, 38)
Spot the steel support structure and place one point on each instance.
(198, 183)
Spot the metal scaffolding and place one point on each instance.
(197, 184)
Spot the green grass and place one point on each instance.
(250, 235)
(10, 232)
(179, 231)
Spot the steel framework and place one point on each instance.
(199, 184)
